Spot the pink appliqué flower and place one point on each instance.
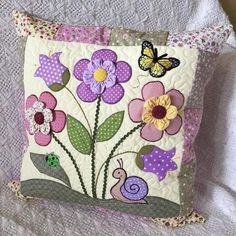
(102, 75)
(41, 118)
(136, 110)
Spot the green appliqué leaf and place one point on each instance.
(55, 87)
(57, 172)
(78, 135)
(110, 126)
(144, 150)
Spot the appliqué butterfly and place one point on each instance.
(156, 65)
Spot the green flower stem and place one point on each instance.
(93, 169)
(119, 154)
(73, 160)
(90, 129)
(111, 156)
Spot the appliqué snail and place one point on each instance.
(132, 189)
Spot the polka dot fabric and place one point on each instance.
(192, 121)
(51, 70)
(127, 37)
(105, 55)
(159, 162)
(79, 68)
(121, 72)
(114, 94)
(134, 188)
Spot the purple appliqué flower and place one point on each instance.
(102, 75)
(159, 162)
(52, 71)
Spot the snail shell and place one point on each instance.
(130, 190)
(134, 188)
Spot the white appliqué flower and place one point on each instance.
(39, 118)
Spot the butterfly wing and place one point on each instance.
(146, 59)
(169, 63)
(145, 63)
(157, 70)
(157, 66)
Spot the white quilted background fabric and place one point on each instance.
(215, 146)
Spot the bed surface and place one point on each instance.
(215, 146)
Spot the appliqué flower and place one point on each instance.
(158, 110)
(55, 74)
(42, 119)
(156, 160)
(103, 74)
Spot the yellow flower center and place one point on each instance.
(100, 74)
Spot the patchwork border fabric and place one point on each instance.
(112, 115)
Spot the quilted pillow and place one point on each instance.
(111, 116)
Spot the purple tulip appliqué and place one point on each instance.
(53, 72)
(102, 75)
(157, 161)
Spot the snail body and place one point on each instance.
(132, 189)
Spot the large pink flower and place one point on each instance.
(41, 119)
(158, 110)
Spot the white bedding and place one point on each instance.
(215, 146)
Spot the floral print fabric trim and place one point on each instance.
(103, 74)
(28, 25)
(209, 39)
(127, 37)
(158, 110)
(193, 217)
(15, 186)
(42, 118)
(84, 34)
(192, 121)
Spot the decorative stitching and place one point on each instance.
(93, 168)
(112, 153)
(42, 188)
(73, 161)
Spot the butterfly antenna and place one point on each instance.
(155, 53)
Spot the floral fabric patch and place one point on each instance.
(27, 25)
(207, 39)
(84, 34)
